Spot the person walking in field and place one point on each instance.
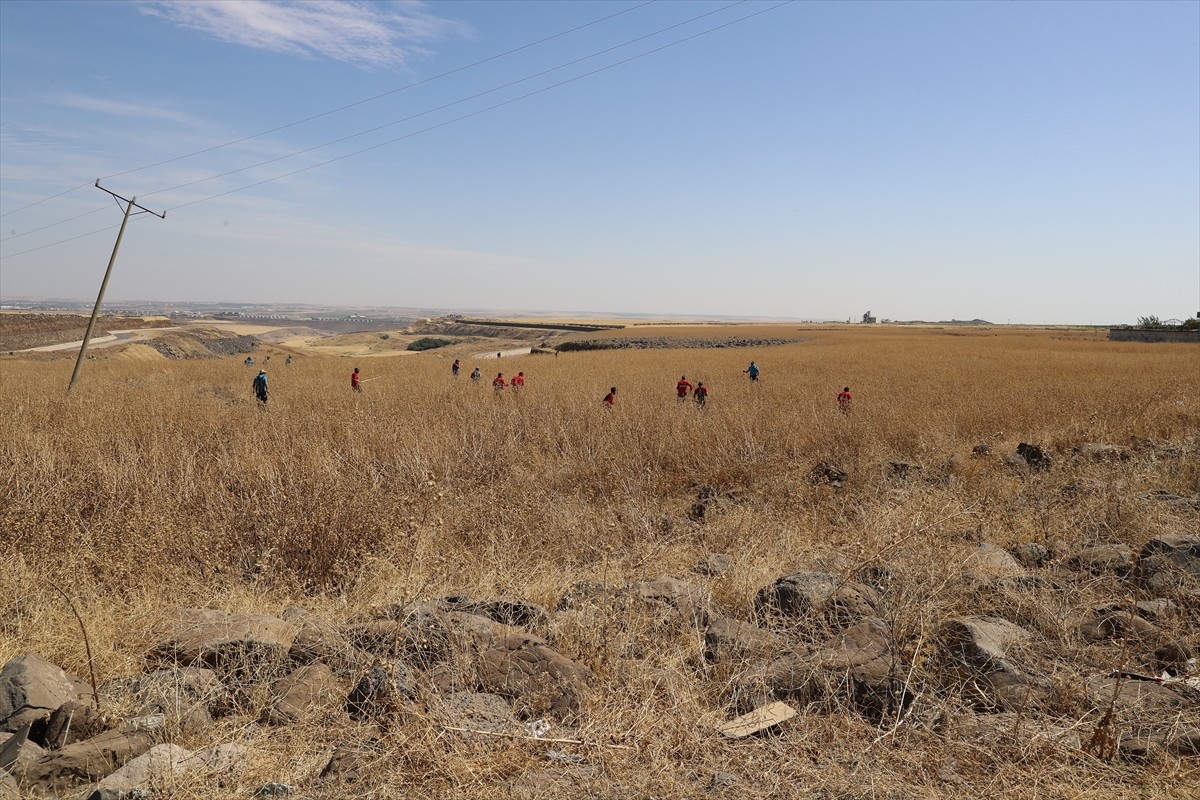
(701, 394)
(752, 371)
(476, 374)
(249, 362)
(682, 388)
(288, 362)
(499, 384)
(454, 368)
(355, 381)
(844, 399)
(519, 381)
(610, 399)
(259, 385)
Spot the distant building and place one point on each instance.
(868, 319)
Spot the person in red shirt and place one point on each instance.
(844, 400)
(610, 399)
(499, 383)
(701, 394)
(519, 381)
(682, 388)
(355, 381)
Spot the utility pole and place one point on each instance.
(87, 337)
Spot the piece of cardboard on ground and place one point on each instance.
(760, 719)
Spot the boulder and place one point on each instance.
(187, 698)
(416, 633)
(517, 613)
(1103, 559)
(1169, 565)
(976, 660)
(302, 693)
(536, 677)
(1097, 451)
(855, 664)
(16, 756)
(30, 689)
(729, 640)
(687, 601)
(1109, 621)
(988, 560)
(244, 646)
(384, 688)
(318, 640)
(87, 761)
(1035, 456)
(1031, 554)
(1186, 744)
(826, 472)
(73, 721)
(477, 711)
(156, 767)
(812, 595)
(713, 565)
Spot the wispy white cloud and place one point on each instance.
(372, 34)
(118, 108)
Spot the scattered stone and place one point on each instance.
(73, 721)
(1176, 501)
(826, 472)
(1172, 657)
(17, 752)
(1096, 451)
(348, 763)
(817, 594)
(156, 767)
(564, 758)
(1186, 744)
(385, 687)
(1103, 559)
(417, 633)
(904, 469)
(1019, 729)
(729, 640)
(975, 652)
(30, 689)
(758, 720)
(274, 790)
(233, 645)
(538, 678)
(480, 711)
(988, 560)
(723, 780)
(1109, 621)
(299, 695)
(187, 698)
(318, 640)
(1169, 565)
(1031, 554)
(517, 613)
(687, 601)
(714, 565)
(1035, 456)
(982, 449)
(87, 762)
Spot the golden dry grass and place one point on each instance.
(160, 485)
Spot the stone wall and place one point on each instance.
(1152, 335)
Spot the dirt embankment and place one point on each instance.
(203, 343)
(462, 329)
(21, 331)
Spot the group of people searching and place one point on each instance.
(698, 392)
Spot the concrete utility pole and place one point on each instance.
(87, 336)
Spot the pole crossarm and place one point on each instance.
(132, 202)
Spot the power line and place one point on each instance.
(448, 105)
(402, 120)
(52, 224)
(338, 109)
(475, 113)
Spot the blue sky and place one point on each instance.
(1032, 162)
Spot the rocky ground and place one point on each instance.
(668, 342)
(1029, 674)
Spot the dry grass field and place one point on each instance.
(163, 485)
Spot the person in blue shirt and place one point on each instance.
(752, 371)
(260, 386)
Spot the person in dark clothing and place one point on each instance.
(260, 386)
